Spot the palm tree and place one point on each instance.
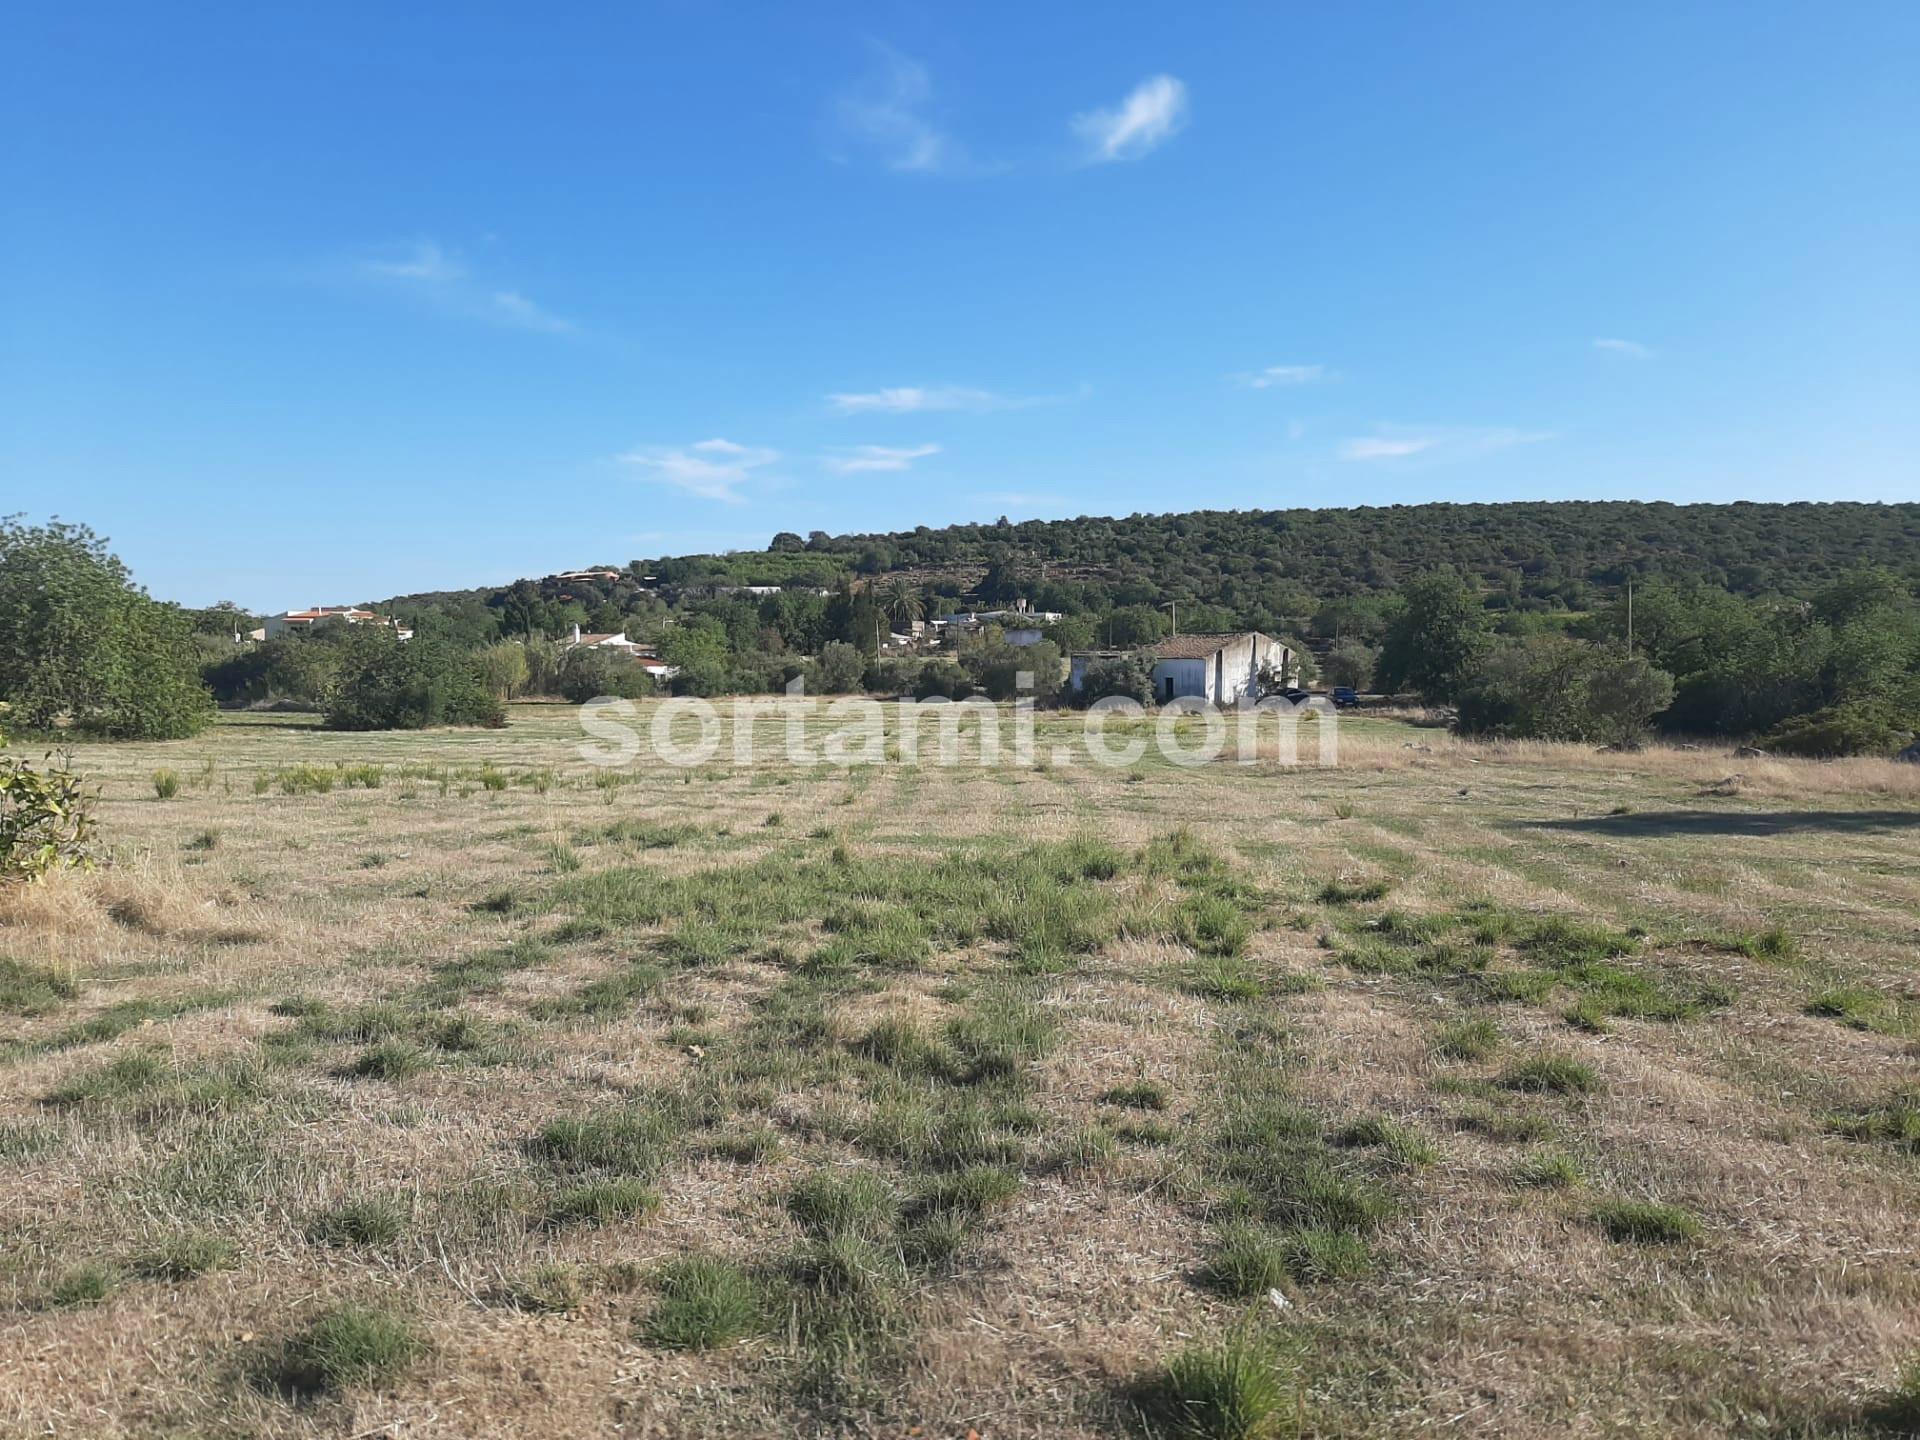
(902, 603)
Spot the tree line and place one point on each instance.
(1796, 623)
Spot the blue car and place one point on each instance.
(1345, 695)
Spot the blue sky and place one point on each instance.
(309, 304)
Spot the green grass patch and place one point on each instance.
(1237, 1388)
(705, 1301)
(33, 989)
(1467, 1040)
(349, 1347)
(184, 1256)
(362, 1220)
(1643, 1222)
(1550, 1074)
(601, 1202)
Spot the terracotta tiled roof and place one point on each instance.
(1193, 647)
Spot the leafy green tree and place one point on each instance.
(1430, 645)
(80, 642)
(504, 668)
(386, 683)
(842, 668)
(1350, 662)
(1126, 676)
(587, 672)
(1555, 687)
(1133, 625)
(996, 668)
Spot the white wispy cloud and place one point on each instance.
(1453, 442)
(1624, 347)
(429, 274)
(886, 114)
(1276, 376)
(711, 469)
(912, 399)
(862, 458)
(1152, 113)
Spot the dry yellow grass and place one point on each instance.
(241, 931)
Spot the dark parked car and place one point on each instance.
(1345, 695)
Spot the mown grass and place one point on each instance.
(864, 1071)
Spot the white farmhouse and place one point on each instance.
(1217, 668)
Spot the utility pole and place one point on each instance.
(1174, 606)
(1629, 615)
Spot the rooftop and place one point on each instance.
(1194, 647)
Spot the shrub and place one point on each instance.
(166, 784)
(386, 683)
(46, 817)
(1554, 687)
(80, 642)
(588, 672)
(1850, 728)
(1126, 677)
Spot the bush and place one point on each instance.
(1552, 687)
(586, 673)
(80, 642)
(842, 669)
(1863, 728)
(46, 818)
(1125, 677)
(941, 679)
(389, 684)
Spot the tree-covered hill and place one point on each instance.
(1527, 555)
(1539, 553)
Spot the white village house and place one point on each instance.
(1216, 668)
(643, 656)
(347, 614)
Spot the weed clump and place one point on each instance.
(352, 1346)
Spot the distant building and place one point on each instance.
(347, 614)
(1018, 626)
(613, 640)
(1217, 667)
(644, 656)
(602, 577)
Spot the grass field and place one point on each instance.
(442, 1085)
